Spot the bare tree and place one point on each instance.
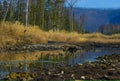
(71, 4)
(7, 7)
(27, 10)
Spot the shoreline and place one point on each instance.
(104, 68)
(60, 46)
(15, 36)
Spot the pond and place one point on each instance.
(24, 61)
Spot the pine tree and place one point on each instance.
(40, 11)
(20, 10)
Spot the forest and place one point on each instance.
(47, 14)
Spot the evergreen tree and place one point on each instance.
(47, 14)
(40, 12)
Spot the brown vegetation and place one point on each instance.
(16, 34)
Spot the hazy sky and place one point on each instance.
(98, 3)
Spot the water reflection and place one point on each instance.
(22, 62)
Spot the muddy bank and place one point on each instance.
(42, 47)
(96, 44)
(104, 68)
(60, 46)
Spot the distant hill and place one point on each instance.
(110, 29)
(115, 20)
(94, 18)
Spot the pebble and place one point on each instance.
(72, 75)
(62, 72)
(49, 73)
(61, 76)
(82, 77)
(80, 64)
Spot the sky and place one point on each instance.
(98, 4)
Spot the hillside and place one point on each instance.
(94, 18)
(115, 20)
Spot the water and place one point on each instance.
(21, 62)
(91, 55)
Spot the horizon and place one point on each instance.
(97, 8)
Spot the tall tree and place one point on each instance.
(71, 4)
(1, 11)
(27, 12)
(20, 10)
(82, 24)
(40, 11)
(47, 14)
(5, 9)
(11, 11)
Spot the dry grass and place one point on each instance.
(12, 34)
(17, 34)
